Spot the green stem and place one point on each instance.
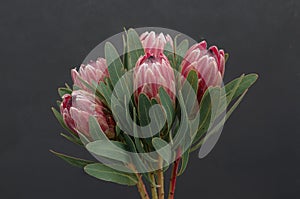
(153, 188)
(160, 176)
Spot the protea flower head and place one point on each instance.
(79, 106)
(151, 73)
(208, 63)
(155, 44)
(94, 71)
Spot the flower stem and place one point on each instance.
(142, 188)
(160, 176)
(140, 185)
(153, 188)
(174, 175)
(173, 179)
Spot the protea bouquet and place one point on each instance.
(145, 110)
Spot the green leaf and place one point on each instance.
(167, 104)
(86, 84)
(205, 116)
(63, 91)
(139, 146)
(162, 148)
(182, 48)
(158, 120)
(73, 139)
(114, 63)
(134, 48)
(129, 143)
(228, 113)
(215, 98)
(109, 149)
(137, 141)
(83, 138)
(168, 49)
(193, 80)
(226, 57)
(75, 88)
(244, 84)
(124, 57)
(106, 92)
(235, 88)
(170, 54)
(218, 126)
(120, 113)
(72, 160)
(58, 103)
(180, 135)
(144, 106)
(95, 130)
(216, 105)
(235, 105)
(189, 92)
(118, 131)
(205, 105)
(184, 162)
(106, 173)
(180, 52)
(58, 117)
(67, 86)
(138, 163)
(230, 93)
(61, 120)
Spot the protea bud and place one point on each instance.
(151, 73)
(93, 72)
(78, 107)
(208, 63)
(155, 44)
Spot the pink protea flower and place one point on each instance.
(94, 71)
(151, 73)
(208, 63)
(78, 107)
(155, 44)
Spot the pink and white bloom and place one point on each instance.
(151, 73)
(77, 108)
(208, 63)
(93, 72)
(155, 44)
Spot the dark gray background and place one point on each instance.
(258, 153)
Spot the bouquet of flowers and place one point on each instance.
(144, 110)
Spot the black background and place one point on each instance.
(258, 153)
